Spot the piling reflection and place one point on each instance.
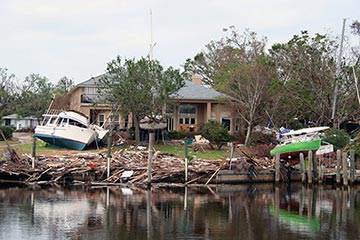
(224, 212)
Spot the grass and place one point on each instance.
(179, 151)
(41, 148)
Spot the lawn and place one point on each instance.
(179, 151)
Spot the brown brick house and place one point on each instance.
(191, 107)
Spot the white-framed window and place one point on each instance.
(170, 123)
(187, 114)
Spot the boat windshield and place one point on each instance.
(52, 120)
(76, 123)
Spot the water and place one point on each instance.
(226, 212)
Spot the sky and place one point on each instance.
(77, 38)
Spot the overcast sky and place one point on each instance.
(77, 38)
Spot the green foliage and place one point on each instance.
(141, 87)
(35, 96)
(7, 131)
(336, 137)
(176, 135)
(355, 145)
(64, 86)
(216, 133)
(7, 92)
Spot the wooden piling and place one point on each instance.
(310, 165)
(352, 166)
(345, 174)
(108, 158)
(277, 168)
(150, 156)
(302, 168)
(320, 173)
(231, 154)
(338, 166)
(33, 153)
(186, 169)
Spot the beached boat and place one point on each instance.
(302, 140)
(68, 129)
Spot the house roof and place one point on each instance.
(92, 82)
(190, 91)
(16, 116)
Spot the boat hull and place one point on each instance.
(61, 142)
(68, 137)
(296, 148)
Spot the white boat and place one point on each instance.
(68, 129)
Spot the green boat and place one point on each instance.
(300, 141)
(311, 145)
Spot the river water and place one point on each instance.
(222, 212)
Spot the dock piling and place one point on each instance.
(345, 174)
(150, 156)
(33, 153)
(310, 166)
(320, 173)
(338, 166)
(352, 166)
(302, 168)
(277, 168)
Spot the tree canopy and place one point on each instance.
(140, 87)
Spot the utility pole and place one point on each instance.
(151, 37)
(338, 70)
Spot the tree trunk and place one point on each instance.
(137, 130)
(248, 132)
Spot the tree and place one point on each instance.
(35, 95)
(238, 66)
(64, 85)
(140, 87)
(7, 91)
(306, 69)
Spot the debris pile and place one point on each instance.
(127, 166)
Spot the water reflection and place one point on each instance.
(224, 212)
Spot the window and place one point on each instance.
(101, 119)
(52, 120)
(170, 124)
(187, 114)
(59, 120)
(76, 123)
(62, 122)
(187, 109)
(226, 122)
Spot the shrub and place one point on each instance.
(336, 137)
(177, 135)
(216, 133)
(8, 131)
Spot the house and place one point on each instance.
(19, 122)
(190, 108)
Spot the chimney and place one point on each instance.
(197, 79)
